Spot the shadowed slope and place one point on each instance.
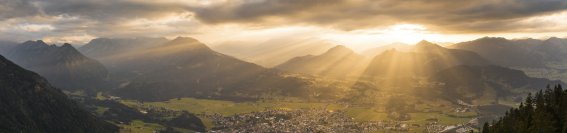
(102, 48)
(505, 52)
(378, 50)
(425, 59)
(28, 103)
(63, 66)
(474, 82)
(273, 51)
(185, 67)
(338, 62)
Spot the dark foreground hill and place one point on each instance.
(63, 66)
(29, 104)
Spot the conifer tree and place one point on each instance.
(544, 112)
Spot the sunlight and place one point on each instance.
(373, 37)
(407, 33)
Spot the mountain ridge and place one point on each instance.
(64, 66)
(30, 104)
(337, 62)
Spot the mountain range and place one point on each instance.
(338, 62)
(157, 69)
(63, 66)
(455, 74)
(273, 52)
(482, 83)
(520, 52)
(185, 67)
(424, 59)
(377, 50)
(103, 48)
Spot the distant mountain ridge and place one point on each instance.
(63, 66)
(519, 53)
(505, 52)
(378, 50)
(28, 103)
(273, 52)
(108, 47)
(339, 61)
(424, 59)
(475, 82)
(5, 46)
(185, 67)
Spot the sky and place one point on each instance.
(356, 23)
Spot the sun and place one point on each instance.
(407, 33)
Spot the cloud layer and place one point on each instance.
(74, 19)
(453, 16)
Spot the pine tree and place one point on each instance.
(485, 128)
(545, 112)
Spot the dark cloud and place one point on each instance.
(110, 10)
(17, 8)
(113, 17)
(444, 15)
(80, 17)
(253, 10)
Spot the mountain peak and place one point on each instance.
(67, 45)
(554, 39)
(491, 40)
(70, 48)
(179, 40)
(187, 42)
(35, 43)
(425, 42)
(427, 45)
(340, 49)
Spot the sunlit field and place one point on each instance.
(423, 113)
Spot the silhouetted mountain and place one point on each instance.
(186, 67)
(505, 52)
(338, 61)
(29, 104)
(5, 46)
(472, 82)
(63, 66)
(273, 51)
(552, 50)
(101, 48)
(425, 59)
(378, 50)
(425, 46)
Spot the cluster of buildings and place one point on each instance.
(303, 120)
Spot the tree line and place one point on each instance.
(544, 112)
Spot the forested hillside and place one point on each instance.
(544, 112)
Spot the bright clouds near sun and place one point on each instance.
(35, 27)
(351, 22)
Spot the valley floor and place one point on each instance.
(289, 115)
